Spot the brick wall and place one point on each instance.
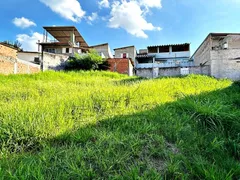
(6, 67)
(119, 65)
(17, 67)
(27, 68)
(7, 51)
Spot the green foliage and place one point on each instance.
(102, 125)
(89, 61)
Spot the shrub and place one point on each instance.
(89, 61)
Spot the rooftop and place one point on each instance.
(123, 47)
(63, 34)
(169, 45)
(213, 35)
(104, 44)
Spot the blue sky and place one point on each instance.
(120, 22)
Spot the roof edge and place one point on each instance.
(124, 47)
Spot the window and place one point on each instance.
(124, 55)
(50, 50)
(152, 49)
(67, 50)
(180, 48)
(163, 49)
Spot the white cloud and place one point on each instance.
(92, 18)
(23, 22)
(104, 4)
(130, 16)
(69, 9)
(29, 43)
(151, 3)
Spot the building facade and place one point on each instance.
(220, 51)
(121, 65)
(103, 50)
(126, 52)
(150, 62)
(63, 40)
(10, 64)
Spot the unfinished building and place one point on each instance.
(220, 51)
(103, 50)
(154, 60)
(64, 40)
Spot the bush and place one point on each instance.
(89, 61)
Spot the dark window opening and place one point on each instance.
(163, 49)
(152, 50)
(147, 60)
(37, 60)
(180, 48)
(50, 50)
(124, 55)
(67, 50)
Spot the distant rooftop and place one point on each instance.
(222, 34)
(104, 44)
(63, 34)
(169, 45)
(123, 47)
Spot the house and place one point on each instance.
(149, 61)
(66, 40)
(220, 51)
(59, 43)
(10, 64)
(103, 50)
(125, 52)
(121, 65)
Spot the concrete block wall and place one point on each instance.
(145, 72)
(54, 61)
(203, 70)
(130, 50)
(171, 71)
(105, 49)
(234, 41)
(226, 64)
(202, 55)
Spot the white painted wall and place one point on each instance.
(172, 55)
(28, 56)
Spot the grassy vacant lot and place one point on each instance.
(100, 125)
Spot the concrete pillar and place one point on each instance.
(170, 49)
(15, 67)
(153, 67)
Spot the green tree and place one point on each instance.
(89, 61)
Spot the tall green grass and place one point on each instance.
(103, 125)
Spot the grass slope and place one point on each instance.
(100, 125)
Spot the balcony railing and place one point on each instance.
(172, 54)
